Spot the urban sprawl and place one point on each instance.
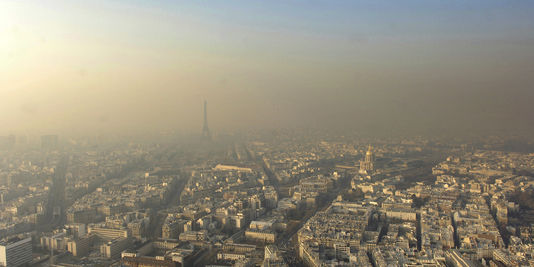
(281, 198)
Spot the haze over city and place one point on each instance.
(287, 133)
(98, 67)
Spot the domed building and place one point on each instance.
(367, 164)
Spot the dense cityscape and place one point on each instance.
(278, 133)
(281, 198)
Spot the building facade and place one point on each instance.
(16, 252)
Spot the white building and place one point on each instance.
(16, 252)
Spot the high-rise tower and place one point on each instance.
(205, 130)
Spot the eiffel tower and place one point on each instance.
(205, 130)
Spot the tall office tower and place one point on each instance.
(205, 130)
(367, 164)
(16, 252)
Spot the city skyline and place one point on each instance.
(361, 133)
(295, 198)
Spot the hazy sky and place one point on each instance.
(121, 66)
